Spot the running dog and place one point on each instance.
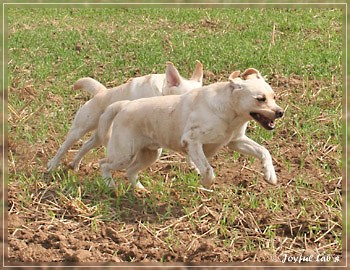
(197, 124)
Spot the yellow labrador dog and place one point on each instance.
(86, 119)
(197, 123)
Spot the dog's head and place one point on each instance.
(256, 97)
(174, 84)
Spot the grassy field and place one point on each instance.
(73, 216)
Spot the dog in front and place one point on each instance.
(86, 119)
(197, 123)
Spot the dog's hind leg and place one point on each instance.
(87, 146)
(72, 137)
(118, 163)
(143, 159)
(85, 120)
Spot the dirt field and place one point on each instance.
(76, 234)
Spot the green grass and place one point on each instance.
(300, 52)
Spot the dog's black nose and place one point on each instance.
(279, 113)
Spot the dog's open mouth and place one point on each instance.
(267, 123)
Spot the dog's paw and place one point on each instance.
(208, 179)
(74, 166)
(140, 189)
(270, 175)
(52, 164)
(109, 181)
(139, 186)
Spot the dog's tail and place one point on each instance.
(106, 120)
(90, 85)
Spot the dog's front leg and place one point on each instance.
(196, 154)
(247, 146)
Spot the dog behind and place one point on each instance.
(86, 119)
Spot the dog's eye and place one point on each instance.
(261, 99)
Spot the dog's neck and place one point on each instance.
(224, 104)
(219, 99)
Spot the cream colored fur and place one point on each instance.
(197, 123)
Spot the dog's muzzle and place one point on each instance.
(266, 122)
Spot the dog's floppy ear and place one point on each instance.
(173, 77)
(251, 73)
(234, 75)
(198, 72)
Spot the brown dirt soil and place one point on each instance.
(75, 234)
